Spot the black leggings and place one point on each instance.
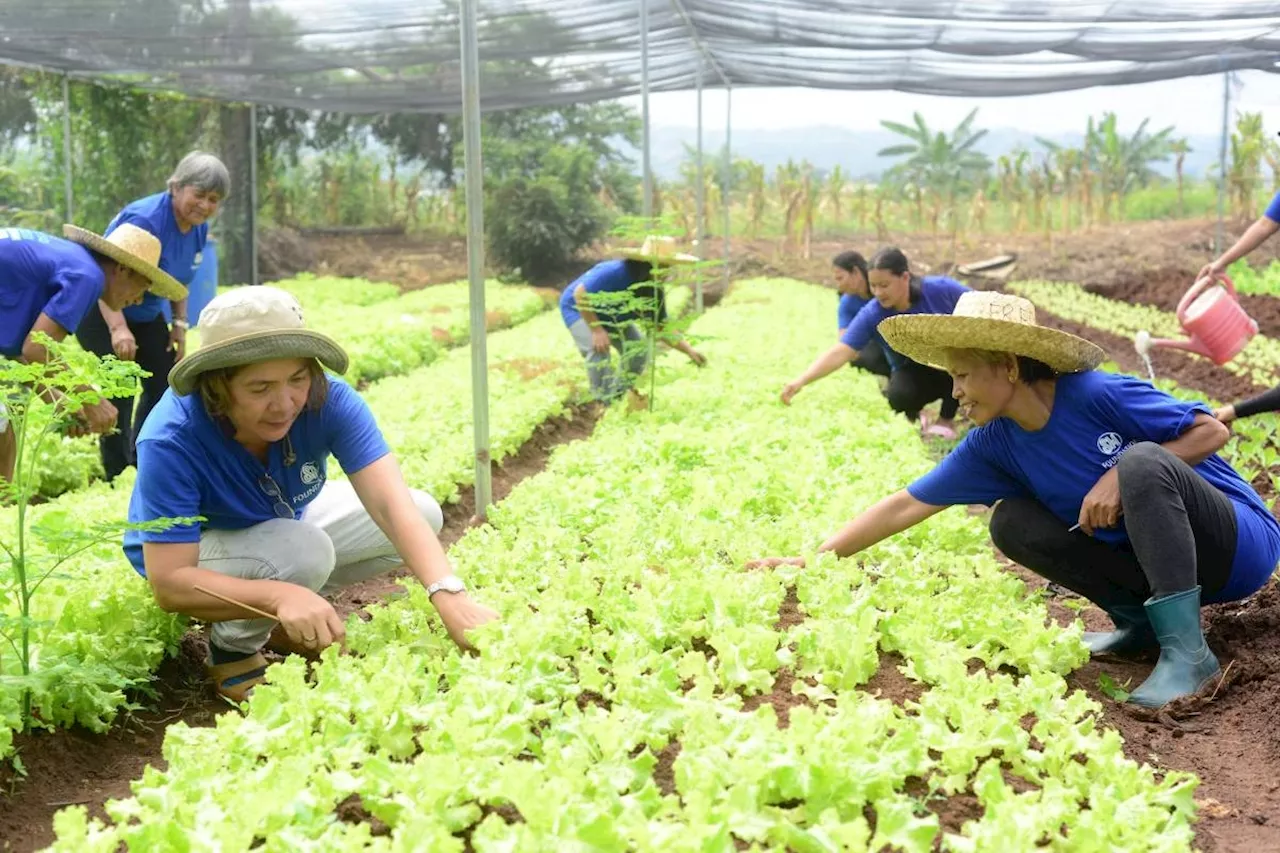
(913, 386)
(1182, 532)
(871, 358)
(155, 357)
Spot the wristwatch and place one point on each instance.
(180, 323)
(449, 583)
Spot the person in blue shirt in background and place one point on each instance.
(850, 271)
(1101, 483)
(596, 327)
(49, 284)
(1258, 233)
(179, 218)
(911, 386)
(241, 439)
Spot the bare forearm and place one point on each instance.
(115, 319)
(1205, 437)
(827, 363)
(175, 592)
(180, 309)
(414, 541)
(891, 515)
(1251, 239)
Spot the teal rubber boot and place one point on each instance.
(1133, 633)
(1186, 664)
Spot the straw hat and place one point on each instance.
(659, 250)
(985, 320)
(134, 247)
(247, 325)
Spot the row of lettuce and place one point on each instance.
(622, 702)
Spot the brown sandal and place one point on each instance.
(223, 672)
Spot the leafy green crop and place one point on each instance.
(608, 708)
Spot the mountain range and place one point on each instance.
(826, 146)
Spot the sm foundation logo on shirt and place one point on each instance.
(312, 479)
(1110, 445)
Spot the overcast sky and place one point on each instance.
(1192, 104)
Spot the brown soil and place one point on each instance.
(1230, 740)
(1164, 287)
(73, 766)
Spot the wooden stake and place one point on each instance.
(264, 614)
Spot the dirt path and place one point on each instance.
(77, 767)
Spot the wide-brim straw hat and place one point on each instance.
(986, 320)
(659, 250)
(248, 325)
(135, 248)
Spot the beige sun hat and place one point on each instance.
(986, 320)
(136, 248)
(659, 250)
(247, 325)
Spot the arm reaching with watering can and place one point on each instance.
(1267, 401)
(1258, 233)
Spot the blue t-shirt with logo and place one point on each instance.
(43, 274)
(189, 465)
(604, 277)
(1096, 417)
(935, 294)
(180, 253)
(850, 305)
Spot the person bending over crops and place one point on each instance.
(912, 386)
(850, 270)
(241, 438)
(1257, 234)
(600, 309)
(179, 217)
(1164, 524)
(49, 285)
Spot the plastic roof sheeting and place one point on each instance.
(364, 56)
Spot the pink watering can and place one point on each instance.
(1211, 314)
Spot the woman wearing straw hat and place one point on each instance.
(1102, 484)
(911, 386)
(241, 439)
(179, 218)
(599, 309)
(49, 284)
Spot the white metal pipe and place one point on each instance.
(1222, 160)
(475, 253)
(647, 167)
(728, 177)
(701, 205)
(67, 189)
(254, 278)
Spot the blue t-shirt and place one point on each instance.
(43, 274)
(180, 253)
(604, 277)
(1096, 417)
(1273, 209)
(850, 305)
(189, 466)
(935, 294)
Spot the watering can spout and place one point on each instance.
(1144, 344)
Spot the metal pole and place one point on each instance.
(1222, 161)
(647, 208)
(728, 175)
(253, 194)
(700, 215)
(475, 253)
(67, 189)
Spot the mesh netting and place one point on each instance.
(363, 56)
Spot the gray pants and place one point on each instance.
(606, 382)
(335, 544)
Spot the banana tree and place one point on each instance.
(937, 163)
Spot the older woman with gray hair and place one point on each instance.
(154, 332)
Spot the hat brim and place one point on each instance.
(667, 260)
(162, 284)
(925, 338)
(255, 348)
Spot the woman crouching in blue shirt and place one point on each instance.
(1164, 524)
(241, 438)
(850, 272)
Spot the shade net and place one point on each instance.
(366, 56)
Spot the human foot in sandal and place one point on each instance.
(235, 675)
(941, 429)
